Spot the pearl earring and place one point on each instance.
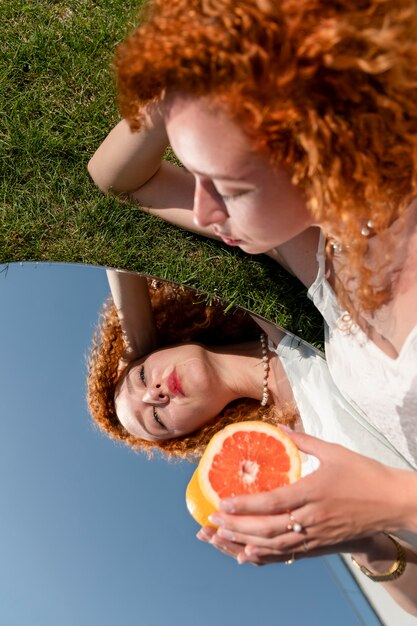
(366, 230)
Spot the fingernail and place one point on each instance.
(240, 559)
(227, 506)
(201, 536)
(215, 541)
(216, 519)
(226, 534)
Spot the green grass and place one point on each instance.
(59, 103)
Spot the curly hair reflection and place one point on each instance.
(181, 316)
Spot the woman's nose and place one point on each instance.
(155, 395)
(208, 207)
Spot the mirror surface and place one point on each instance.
(92, 533)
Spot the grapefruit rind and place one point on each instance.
(198, 506)
(217, 443)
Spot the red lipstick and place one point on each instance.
(231, 242)
(174, 384)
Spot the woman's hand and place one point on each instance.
(253, 555)
(349, 497)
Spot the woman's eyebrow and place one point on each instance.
(239, 174)
(218, 176)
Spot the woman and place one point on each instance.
(168, 315)
(317, 102)
(160, 399)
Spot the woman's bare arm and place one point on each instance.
(379, 555)
(131, 297)
(132, 164)
(125, 161)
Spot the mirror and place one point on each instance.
(93, 533)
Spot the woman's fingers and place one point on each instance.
(263, 526)
(269, 502)
(230, 548)
(265, 556)
(280, 544)
(256, 555)
(301, 548)
(274, 532)
(308, 443)
(206, 533)
(305, 549)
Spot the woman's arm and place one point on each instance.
(125, 161)
(132, 164)
(131, 297)
(378, 556)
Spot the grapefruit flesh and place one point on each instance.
(243, 458)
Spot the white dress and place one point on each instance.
(326, 414)
(383, 388)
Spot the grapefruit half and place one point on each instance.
(242, 458)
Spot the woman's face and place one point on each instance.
(170, 393)
(238, 194)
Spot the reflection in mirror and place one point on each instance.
(160, 351)
(94, 533)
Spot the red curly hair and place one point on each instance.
(327, 89)
(181, 315)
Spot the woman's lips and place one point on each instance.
(230, 241)
(174, 384)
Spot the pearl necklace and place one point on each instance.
(265, 361)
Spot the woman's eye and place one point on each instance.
(230, 197)
(158, 419)
(154, 411)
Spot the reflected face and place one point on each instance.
(238, 194)
(170, 392)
